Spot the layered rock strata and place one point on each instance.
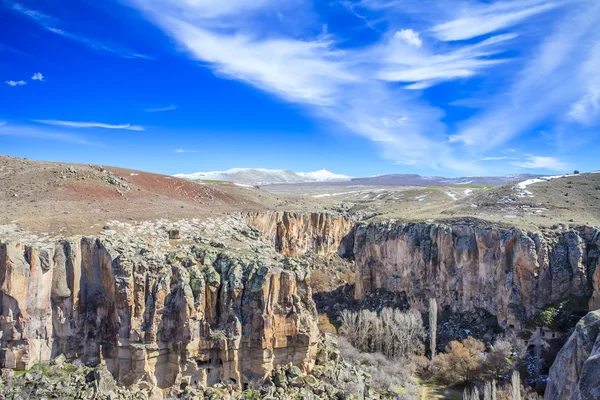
(159, 313)
(508, 272)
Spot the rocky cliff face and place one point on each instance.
(161, 313)
(508, 272)
(575, 374)
(166, 305)
(294, 234)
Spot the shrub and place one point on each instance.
(503, 357)
(461, 363)
(320, 281)
(386, 375)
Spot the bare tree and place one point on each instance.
(471, 394)
(494, 390)
(487, 391)
(394, 333)
(467, 394)
(504, 356)
(515, 386)
(432, 325)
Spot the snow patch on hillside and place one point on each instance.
(262, 176)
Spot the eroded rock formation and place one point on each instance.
(294, 234)
(508, 272)
(575, 374)
(169, 305)
(159, 313)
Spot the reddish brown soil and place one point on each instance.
(63, 198)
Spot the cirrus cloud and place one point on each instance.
(541, 162)
(380, 88)
(75, 124)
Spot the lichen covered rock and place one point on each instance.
(157, 315)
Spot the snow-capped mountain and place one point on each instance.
(261, 176)
(323, 175)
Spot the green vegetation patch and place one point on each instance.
(459, 187)
(560, 316)
(214, 181)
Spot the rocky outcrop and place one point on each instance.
(508, 272)
(294, 234)
(575, 374)
(159, 315)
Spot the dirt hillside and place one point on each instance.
(66, 198)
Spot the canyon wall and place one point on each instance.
(575, 374)
(188, 306)
(294, 234)
(191, 316)
(466, 265)
(508, 272)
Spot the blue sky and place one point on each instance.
(358, 87)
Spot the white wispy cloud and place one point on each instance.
(25, 131)
(409, 36)
(74, 124)
(352, 87)
(357, 87)
(168, 108)
(52, 24)
(424, 68)
(33, 14)
(540, 162)
(38, 76)
(96, 45)
(494, 158)
(185, 151)
(477, 20)
(586, 110)
(296, 70)
(557, 83)
(15, 83)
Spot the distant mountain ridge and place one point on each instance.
(418, 180)
(261, 176)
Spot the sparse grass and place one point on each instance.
(213, 181)
(459, 187)
(433, 390)
(44, 368)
